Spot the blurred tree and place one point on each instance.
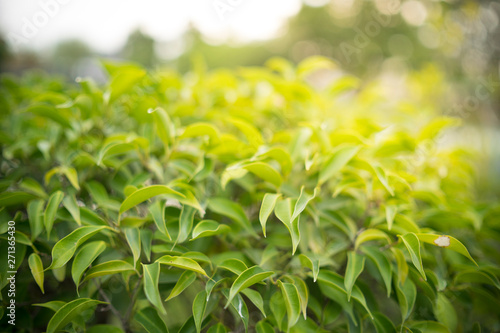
(68, 55)
(4, 54)
(140, 48)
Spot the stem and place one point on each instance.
(113, 309)
(132, 303)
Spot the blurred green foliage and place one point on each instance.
(242, 200)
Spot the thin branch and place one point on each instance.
(112, 308)
(132, 302)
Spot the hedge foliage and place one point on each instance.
(259, 199)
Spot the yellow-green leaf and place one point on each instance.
(446, 242)
(68, 312)
(146, 193)
(247, 278)
(157, 211)
(133, 237)
(63, 251)
(266, 209)
(151, 280)
(355, 265)
(207, 228)
(36, 267)
(108, 268)
(336, 162)
(413, 245)
(292, 302)
(50, 211)
(181, 262)
(87, 254)
(371, 234)
(184, 281)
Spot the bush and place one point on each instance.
(240, 201)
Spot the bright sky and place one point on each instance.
(105, 24)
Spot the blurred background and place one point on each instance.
(453, 45)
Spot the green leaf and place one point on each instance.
(255, 298)
(133, 237)
(218, 328)
(266, 209)
(283, 212)
(71, 205)
(59, 273)
(157, 210)
(311, 263)
(151, 280)
(114, 149)
(233, 265)
(429, 326)
(252, 134)
(108, 268)
(72, 176)
(164, 126)
(63, 251)
(383, 265)
(35, 216)
(68, 312)
(146, 193)
(303, 294)
(50, 211)
(14, 198)
(146, 241)
(413, 245)
(337, 282)
(123, 81)
(52, 305)
(446, 242)
(34, 187)
(401, 264)
(382, 177)
(36, 267)
(201, 129)
(84, 258)
(292, 302)
(280, 155)
(185, 280)
(383, 324)
(233, 211)
(211, 284)
(151, 321)
(185, 223)
(477, 276)
(265, 172)
(49, 112)
(302, 202)
(199, 306)
(247, 278)
(207, 228)
(355, 265)
(406, 294)
(445, 312)
(336, 162)
(263, 327)
(278, 308)
(390, 213)
(181, 262)
(371, 234)
(240, 307)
